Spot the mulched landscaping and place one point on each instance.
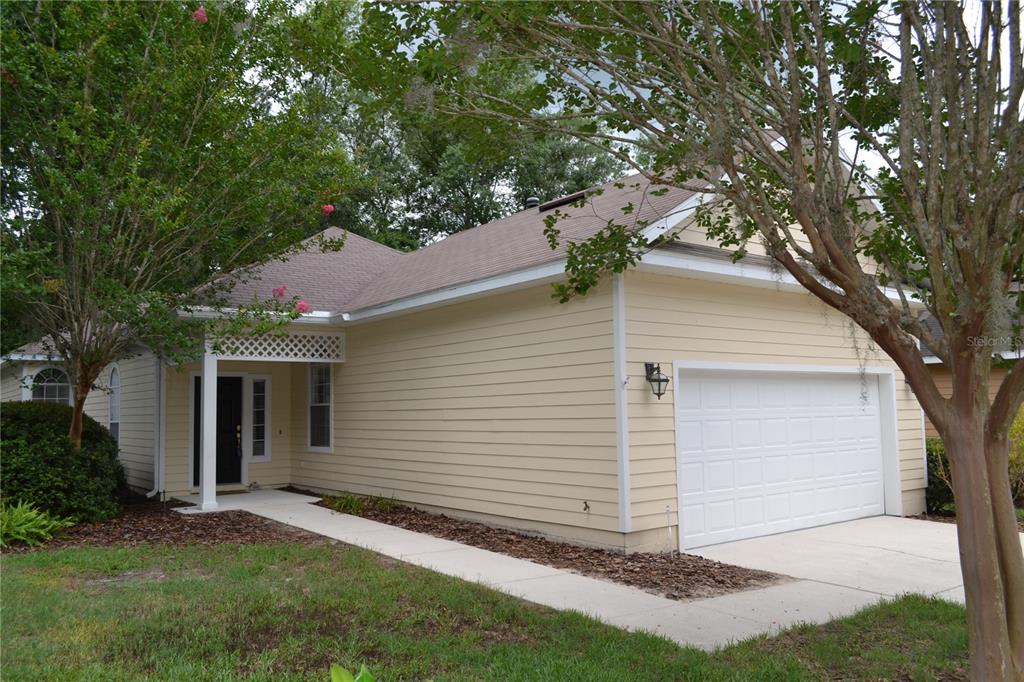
(156, 523)
(675, 576)
(951, 518)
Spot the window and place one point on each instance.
(259, 418)
(114, 404)
(320, 407)
(51, 385)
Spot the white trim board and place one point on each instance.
(886, 376)
(621, 378)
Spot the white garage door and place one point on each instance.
(762, 453)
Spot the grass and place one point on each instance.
(286, 612)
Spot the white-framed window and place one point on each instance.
(51, 385)
(114, 404)
(320, 407)
(260, 419)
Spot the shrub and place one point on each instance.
(41, 467)
(1017, 458)
(346, 504)
(25, 524)
(939, 493)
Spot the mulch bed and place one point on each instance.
(156, 523)
(675, 576)
(951, 518)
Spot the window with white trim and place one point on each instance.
(51, 385)
(114, 404)
(320, 406)
(260, 446)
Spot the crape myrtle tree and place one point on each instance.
(862, 145)
(149, 148)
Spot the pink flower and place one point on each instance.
(328, 209)
(303, 307)
(200, 15)
(280, 291)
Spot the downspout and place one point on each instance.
(158, 451)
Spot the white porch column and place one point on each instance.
(208, 428)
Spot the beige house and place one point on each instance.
(450, 379)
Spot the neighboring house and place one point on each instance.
(450, 379)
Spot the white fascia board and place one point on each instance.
(548, 272)
(750, 274)
(207, 313)
(677, 215)
(30, 357)
(1011, 355)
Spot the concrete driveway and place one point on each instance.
(885, 555)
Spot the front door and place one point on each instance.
(229, 429)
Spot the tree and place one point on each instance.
(426, 174)
(862, 144)
(150, 148)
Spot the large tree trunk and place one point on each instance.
(991, 559)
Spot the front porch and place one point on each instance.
(272, 397)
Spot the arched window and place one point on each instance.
(114, 403)
(51, 385)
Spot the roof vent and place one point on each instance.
(562, 201)
(532, 202)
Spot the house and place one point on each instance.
(449, 378)
(1004, 355)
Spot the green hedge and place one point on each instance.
(938, 495)
(39, 466)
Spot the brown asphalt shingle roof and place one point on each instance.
(365, 273)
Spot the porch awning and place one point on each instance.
(292, 346)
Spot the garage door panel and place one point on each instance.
(766, 453)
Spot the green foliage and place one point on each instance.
(1016, 436)
(356, 505)
(939, 493)
(339, 674)
(147, 153)
(40, 466)
(346, 503)
(24, 524)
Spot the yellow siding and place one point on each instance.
(10, 383)
(672, 318)
(944, 382)
(138, 407)
(501, 407)
(177, 452)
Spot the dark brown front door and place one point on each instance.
(229, 429)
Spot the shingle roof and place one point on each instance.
(365, 274)
(327, 280)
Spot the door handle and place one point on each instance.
(238, 440)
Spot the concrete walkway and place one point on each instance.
(706, 623)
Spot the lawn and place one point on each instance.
(287, 611)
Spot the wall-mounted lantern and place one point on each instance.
(657, 380)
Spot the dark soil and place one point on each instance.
(951, 518)
(156, 523)
(676, 576)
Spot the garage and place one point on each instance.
(763, 452)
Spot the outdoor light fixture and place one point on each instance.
(657, 380)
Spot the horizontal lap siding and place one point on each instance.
(10, 383)
(138, 407)
(670, 318)
(500, 406)
(944, 382)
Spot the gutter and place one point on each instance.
(158, 416)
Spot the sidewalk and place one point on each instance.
(706, 623)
